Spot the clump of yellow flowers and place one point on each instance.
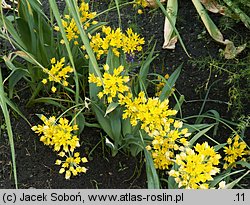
(113, 83)
(116, 40)
(235, 151)
(196, 167)
(153, 115)
(60, 137)
(164, 148)
(57, 73)
(69, 24)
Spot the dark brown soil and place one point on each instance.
(35, 162)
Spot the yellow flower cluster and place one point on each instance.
(57, 73)
(196, 167)
(72, 163)
(153, 114)
(69, 23)
(113, 84)
(235, 151)
(60, 137)
(116, 40)
(163, 148)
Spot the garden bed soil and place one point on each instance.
(36, 163)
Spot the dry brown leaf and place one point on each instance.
(170, 44)
(213, 6)
(231, 51)
(153, 4)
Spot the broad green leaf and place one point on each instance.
(103, 121)
(115, 122)
(126, 127)
(93, 89)
(244, 164)
(195, 127)
(111, 107)
(152, 176)
(80, 121)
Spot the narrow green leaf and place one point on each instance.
(218, 147)
(143, 73)
(222, 176)
(170, 84)
(5, 111)
(236, 181)
(199, 134)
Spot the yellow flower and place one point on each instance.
(58, 162)
(132, 42)
(113, 84)
(235, 151)
(44, 81)
(196, 167)
(68, 174)
(69, 24)
(116, 40)
(142, 3)
(58, 73)
(139, 11)
(53, 89)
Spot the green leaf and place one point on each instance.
(80, 121)
(115, 121)
(199, 134)
(93, 89)
(103, 121)
(244, 164)
(222, 176)
(152, 176)
(209, 24)
(111, 107)
(177, 107)
(143, 73)
(126, 127)
(236, 181)
(3, 105)
(218, 147)
(166, 91)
